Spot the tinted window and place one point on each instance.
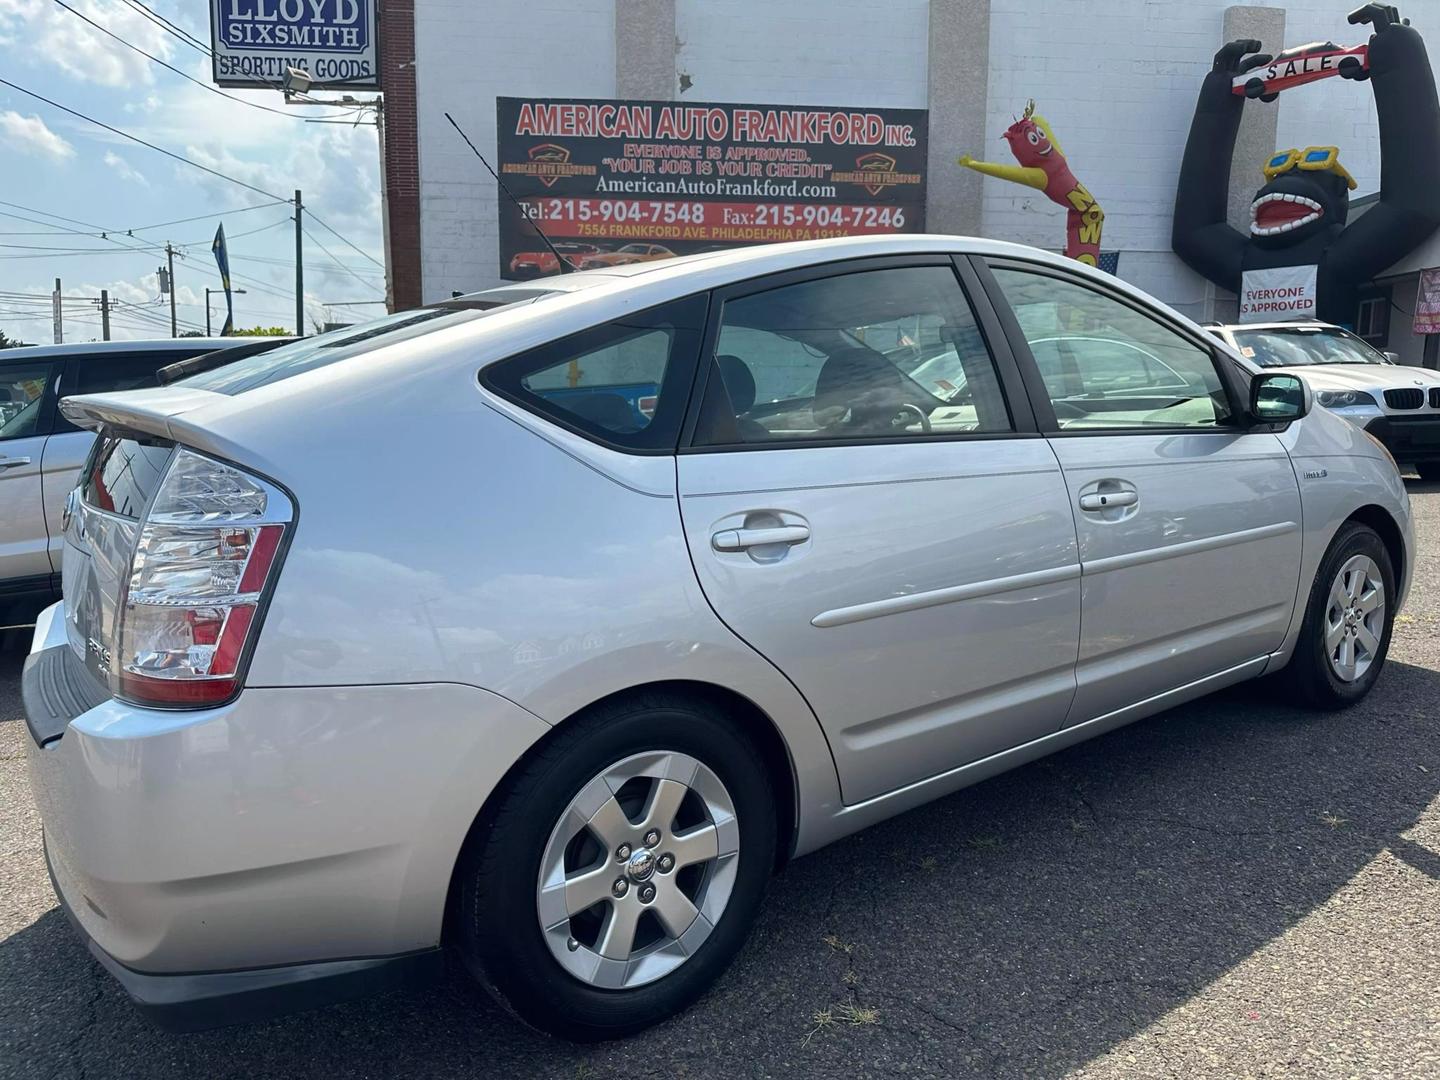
(102, 374)
(23, 400)
(122, 474)
(624, 383)
(1107, 365)
(874, 354)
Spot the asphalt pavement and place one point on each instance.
(1235, 888)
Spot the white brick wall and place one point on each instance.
(466, 55)
(799, 52)
(1116, 78)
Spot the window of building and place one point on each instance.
(1372, 320)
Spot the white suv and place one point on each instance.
(1399, 405)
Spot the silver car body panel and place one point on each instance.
(24, 544)
(401, 671)
(917, 622)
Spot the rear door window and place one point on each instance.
(624, 383)
(25, 405)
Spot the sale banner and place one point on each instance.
(617, 182)
(1427, 303)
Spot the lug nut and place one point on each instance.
(647, 894)
(652, 837)
(620, 888)
(665, 864)
(622, 852)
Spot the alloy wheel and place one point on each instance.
(638, 870)
(1355, 618)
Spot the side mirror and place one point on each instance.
(1393, 357)
(1277, 398)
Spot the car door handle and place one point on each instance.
(11, 462)
(1106, 500)
(741, 539)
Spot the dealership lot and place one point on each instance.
(1234, 888)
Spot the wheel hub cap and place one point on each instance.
(638, 870)
(641, 865)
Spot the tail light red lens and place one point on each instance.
(207, 552)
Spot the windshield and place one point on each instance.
(1296, 346)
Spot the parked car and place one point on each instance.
(526, 264)
(41, 451)
(630, 253)
(1399, 405)
(371, 648)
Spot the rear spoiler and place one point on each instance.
(145, 412)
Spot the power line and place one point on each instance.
(333, 259)
(170, 28)
(150, 145)
(316, 219)
(197, 82)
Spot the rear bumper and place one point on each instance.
(204, 1000)
(292, 830)
(1408, 438)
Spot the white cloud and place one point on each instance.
(55, 35)
(30, 135)
(123, 170)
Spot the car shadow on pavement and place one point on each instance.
(1024, 926)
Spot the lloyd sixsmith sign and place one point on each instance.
(254, 41)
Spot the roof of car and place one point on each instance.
(105, 348)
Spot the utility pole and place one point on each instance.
(299, 271)
(56, 311)
(105, 314)
(170, 264)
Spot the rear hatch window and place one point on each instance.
(310, 353)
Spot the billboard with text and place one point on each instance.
(254, 41)
(614, 182)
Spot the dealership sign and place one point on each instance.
(613, 182)
(254, 41)
(1279, 294)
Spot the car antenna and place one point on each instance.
(565, 267)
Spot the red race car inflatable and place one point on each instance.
(1303, 64)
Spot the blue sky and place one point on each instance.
(52, 163)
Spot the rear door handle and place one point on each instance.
(741, 539)
(11, 462)
(1106, 500)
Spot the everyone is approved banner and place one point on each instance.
(615, 182)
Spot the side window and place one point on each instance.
(623, 383)
(104, 374)
(23, 403)
(870, 355)
(1107, 365)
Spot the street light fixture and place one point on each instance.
(233, 292)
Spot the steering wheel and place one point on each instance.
(906, 407)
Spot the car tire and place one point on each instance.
(1428, 470)
(560, 979)
(1317, 674)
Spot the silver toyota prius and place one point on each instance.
(543, 625)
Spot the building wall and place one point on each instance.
(1116, 78)
(466, 55)
(841, 52)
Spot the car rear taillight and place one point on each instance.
(208, 549)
